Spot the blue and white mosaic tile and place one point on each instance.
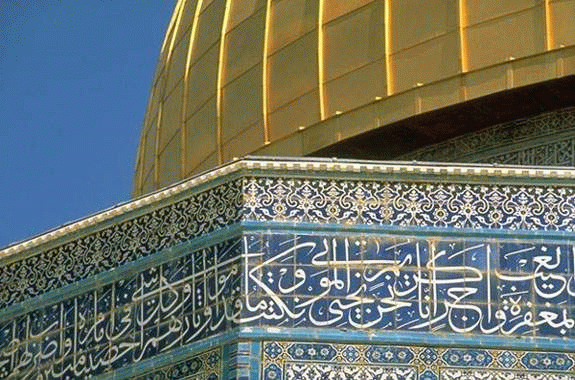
(433, 204)
(88, 255)
(138, 317)
(205, 366)
(418, 363)
(296, 249)
(433, 285)
(318, 371)
(430, 203)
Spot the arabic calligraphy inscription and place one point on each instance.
(414, 284)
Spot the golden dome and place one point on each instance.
(239, 77)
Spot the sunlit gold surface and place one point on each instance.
(280, 85)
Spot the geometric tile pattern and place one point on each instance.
(299, 360)
(486, 374)
(206, 366)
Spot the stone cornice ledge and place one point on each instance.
(279, 165)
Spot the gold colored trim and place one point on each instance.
(157, 147)
(183, 142)
(172, 24)
(220, 79)
(320, 59)
(141, 153)
(418, 102)
(463, 51)
(560, 67)
(171, 36)
(137, 186)
(509, 76)
(387, 38)
(463, 93)
(549, 27)
(265, 73)
(179, 11)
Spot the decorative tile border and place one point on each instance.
(291, 199)
(165, 303)
(546, 139)
(457, 205)
(296, 371)
(107, 249)
(334, 168)
(466, 374)
(296, 200)
(298, 360)
(296, 197)
(205, 366)
(454, 285)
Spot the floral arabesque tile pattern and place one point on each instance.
(205, 366)
(121, 243)
(458, 205)
(168, 301)
(299, 360)
(345, 202)
(546, 139)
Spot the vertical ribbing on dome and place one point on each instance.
(219, 85)
(157, 147)
(191, 44)
(463, 51)
(209, 108)
(389, 75)
(171, 25)
(265, 78)
(174, 32)
(320, 59)
(137, 188)
(179, 11)
(549, 29)
(463, 55)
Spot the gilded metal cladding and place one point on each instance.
(289, 77)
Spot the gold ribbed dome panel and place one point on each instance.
(289, 77)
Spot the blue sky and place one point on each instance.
(74, 82)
